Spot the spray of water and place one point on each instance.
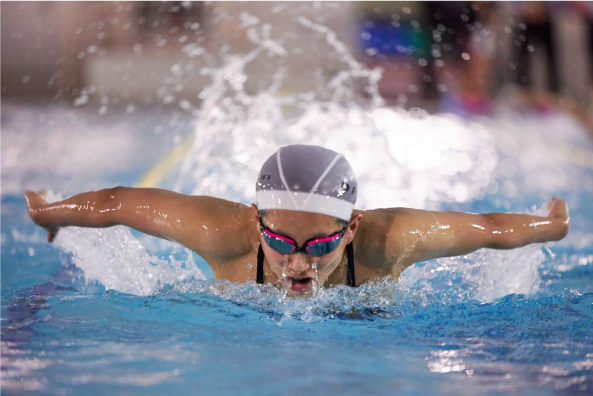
(315, 285)
(401, 158)
(119, 261)
(286, 281)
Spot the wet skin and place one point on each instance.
(227, 234)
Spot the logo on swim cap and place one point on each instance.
(307, 179)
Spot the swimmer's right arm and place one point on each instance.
(214, 228)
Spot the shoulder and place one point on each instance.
(218, 230)
(386, 220)
(215, 211)
(379, 240)
(231, 222)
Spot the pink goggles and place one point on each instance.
(315, 246)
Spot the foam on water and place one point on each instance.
(380, 298)
(113, 257)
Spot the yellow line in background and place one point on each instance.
(155, 176)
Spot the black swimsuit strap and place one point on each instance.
(260, 266)
(349, 253)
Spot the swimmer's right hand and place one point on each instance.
(36, 202)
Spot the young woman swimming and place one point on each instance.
(304, 232)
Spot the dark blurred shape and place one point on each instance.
(448, 23)
(536, 32)
(171, 18)
(551, 45)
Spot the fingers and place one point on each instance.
(51, 235)
(551, 203)
(566, 213)
(558, 209)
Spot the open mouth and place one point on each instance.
(300, 284)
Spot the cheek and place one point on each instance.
(327, 265)
(275, 261)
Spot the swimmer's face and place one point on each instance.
(298, 268)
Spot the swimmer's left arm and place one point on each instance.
(427, 235)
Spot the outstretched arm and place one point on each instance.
(417, 235)
(214, 228)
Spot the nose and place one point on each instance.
(298, 262)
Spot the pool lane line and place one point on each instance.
(155, 176)
(576, 155)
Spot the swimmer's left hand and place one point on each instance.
(558, 210)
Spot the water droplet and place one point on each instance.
(286, 282)
(315, 283)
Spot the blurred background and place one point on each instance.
(97, 93)
(441, 56)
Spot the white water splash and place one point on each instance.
(400, 158)
(381, 298)
(119, 261)
(486, 274)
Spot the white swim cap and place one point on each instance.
(307, 179)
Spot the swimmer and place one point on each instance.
(304, 232)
